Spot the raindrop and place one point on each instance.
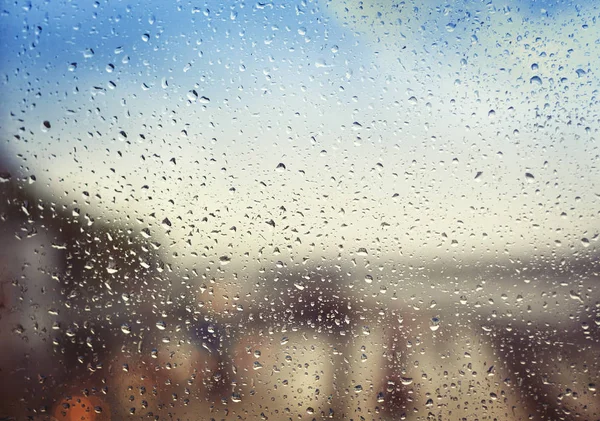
(406, 380)
(192, 95)
(535, 80)
(435, 324)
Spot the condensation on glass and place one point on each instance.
(359, 210)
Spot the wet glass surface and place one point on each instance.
(299, 210)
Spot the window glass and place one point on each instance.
(361, 210)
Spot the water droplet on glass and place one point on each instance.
(535, 80)
(192, 95)
(362, 251)
(435, 324)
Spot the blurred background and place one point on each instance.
(299, 210)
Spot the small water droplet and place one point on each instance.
(362, 251)
(535, 80)
(435, 324)
(192, 95)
